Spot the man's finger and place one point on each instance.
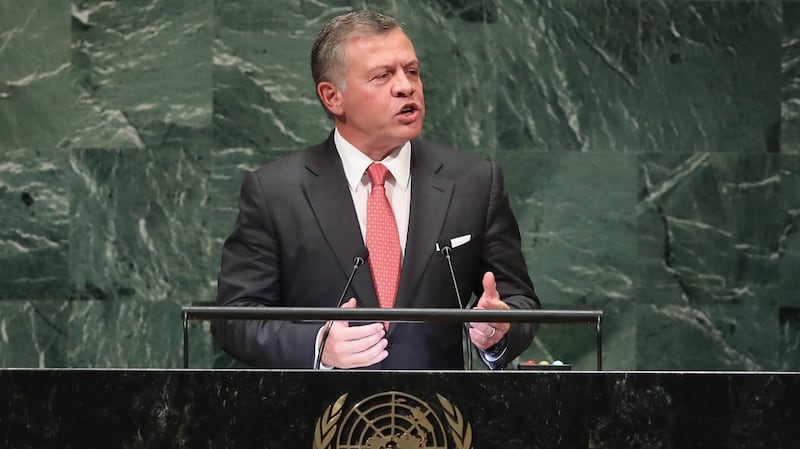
(359, 332)
(350, 304)
(489, 285)
(371, 355)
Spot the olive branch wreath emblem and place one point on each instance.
(460, 430)
(327, 424)
(326, 427)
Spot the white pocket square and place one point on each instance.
(456, 242)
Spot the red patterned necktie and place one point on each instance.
(383, 240)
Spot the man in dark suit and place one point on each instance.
(304, 218)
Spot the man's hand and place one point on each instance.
(353, 347)
(486, 335)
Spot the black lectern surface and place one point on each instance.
(481, 410)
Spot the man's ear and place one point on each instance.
(330, 96)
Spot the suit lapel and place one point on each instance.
(329, 197)
(430, 198)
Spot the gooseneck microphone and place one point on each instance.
(357, 262)
(445, 250)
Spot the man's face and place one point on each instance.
(383, 105)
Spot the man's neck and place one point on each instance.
(374, 152)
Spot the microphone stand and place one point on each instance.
(357, 262)
(446, 252)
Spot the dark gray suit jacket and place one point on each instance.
(297, 234)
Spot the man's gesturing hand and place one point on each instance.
(486, 335)
(356, 346)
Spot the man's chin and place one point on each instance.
(409, 132)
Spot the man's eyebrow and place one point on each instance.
(390, 66)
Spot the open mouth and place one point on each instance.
(408, 109)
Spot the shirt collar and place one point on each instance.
(355, 163)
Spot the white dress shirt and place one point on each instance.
(398, 186)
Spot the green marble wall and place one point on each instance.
(651, 148)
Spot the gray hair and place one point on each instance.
(328, 61)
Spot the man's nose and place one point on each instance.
(403, 86)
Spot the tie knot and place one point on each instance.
(377, 174)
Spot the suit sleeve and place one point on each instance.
(250, 276)
(502, 254)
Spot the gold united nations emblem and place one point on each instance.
(391, 420)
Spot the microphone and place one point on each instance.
(445, 249)
(357, 262)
